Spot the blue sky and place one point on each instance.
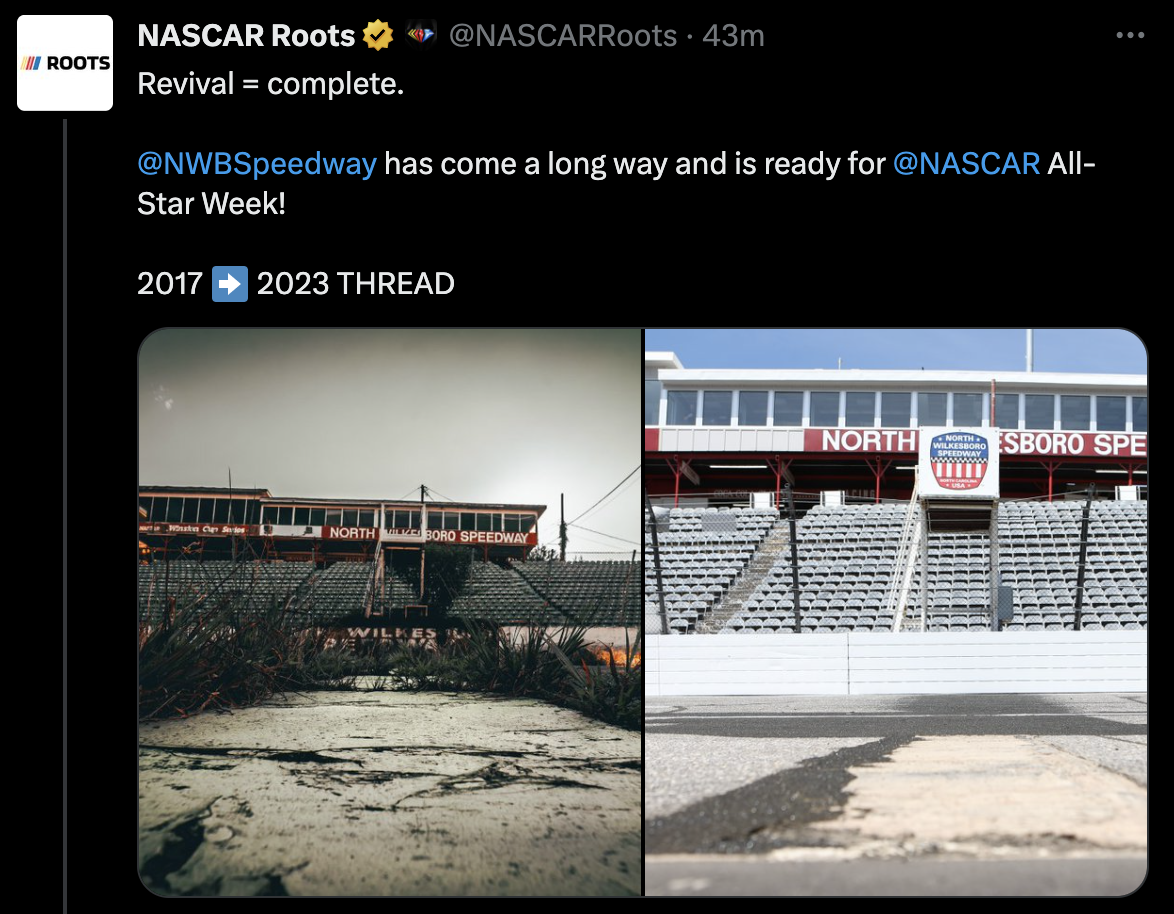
(1103, 351)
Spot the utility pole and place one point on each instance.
(233, 534)
(562, 527)
(422, 548)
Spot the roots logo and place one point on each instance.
(65, 63)
(421, 33)
(73, 59)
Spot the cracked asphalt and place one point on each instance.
(388, 793)
(985, 794)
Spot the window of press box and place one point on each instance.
(968, 410)
(1039, 411)
(1111, 414)
(484, 521)
(895, 410)
(1007, 410)
(405, 520)
(302, 517)
(752, 407)
(931, 409)
(789, 408)
(717, 407)
(682, 407)
(825, 409)
(1141, 414)
(317, 516)
(1074, 413)
(651, 402)
(334, 517)
(859, 408)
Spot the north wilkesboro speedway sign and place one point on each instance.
(958, 463)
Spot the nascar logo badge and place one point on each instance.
(959, 459)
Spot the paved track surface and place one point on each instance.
(972, 794)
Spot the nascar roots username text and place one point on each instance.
(547, 35)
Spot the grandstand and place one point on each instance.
(329, 561)
(890, 535)
(591, 594)
(847, 559)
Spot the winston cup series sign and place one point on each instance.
(959, 462)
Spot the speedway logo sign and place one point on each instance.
(958, 461)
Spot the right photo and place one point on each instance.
(896, 612)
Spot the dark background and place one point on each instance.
(569, 250)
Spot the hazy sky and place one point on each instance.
(477, 415)
(1104, 351)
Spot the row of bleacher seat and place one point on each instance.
(589, 593)
(703, 551)
(300, 589)
(552, 593)
(846, 557)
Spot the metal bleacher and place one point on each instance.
(847, 561)
(702, 551)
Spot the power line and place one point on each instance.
(586, 539)
(610, 499)
(613, 488)
(601, 533)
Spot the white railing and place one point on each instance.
(906, 561)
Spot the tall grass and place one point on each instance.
(222, 654)
(220, 651)
(533, 663)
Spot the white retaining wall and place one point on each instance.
(909, 663)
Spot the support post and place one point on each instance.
(1078, 621)
(794, 558)
(664, 617)
(1050, 466)
(994, 540)
(779, 467)
(878, 467)
(924, 521)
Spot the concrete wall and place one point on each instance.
(870, 663)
